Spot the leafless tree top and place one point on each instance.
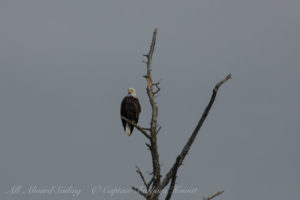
(157, 183)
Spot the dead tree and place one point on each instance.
(158, 182)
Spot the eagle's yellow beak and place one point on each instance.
(129, 90)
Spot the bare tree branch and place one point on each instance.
(150, 182)
(158, 130)
(157, 91)
(149, 146)
(156, 184)
(140, 192)
(173, 181)
(142, 176)
(213, 195)
(189, 143)
(153, 124)
(157, 87)
(142, 130)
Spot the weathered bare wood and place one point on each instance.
(173, 180)
(142, 177)
(140, 192)
(213, 195)
(153, 124)
(190, 141)
(151, 134)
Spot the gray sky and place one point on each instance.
(66, 65)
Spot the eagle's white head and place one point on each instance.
(131, 92)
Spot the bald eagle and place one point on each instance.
(130, 109)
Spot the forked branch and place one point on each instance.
(151, 133)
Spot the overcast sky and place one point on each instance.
(65, 67)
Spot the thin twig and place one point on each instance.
(213, 195)
(158, 130)
(149, 146)
(142, 176)
(157, 83)
(140, 192)
(150, 182)
(157, 91)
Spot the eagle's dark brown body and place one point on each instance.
(130, 109)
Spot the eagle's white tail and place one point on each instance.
(127, 129)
